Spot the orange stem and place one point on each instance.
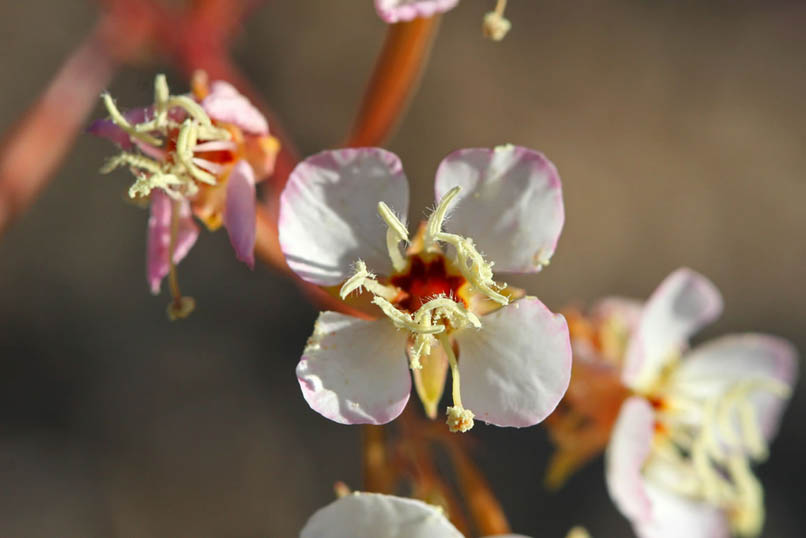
(39, 142)
(484, 506)
(396, 77)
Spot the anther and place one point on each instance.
(495, 25)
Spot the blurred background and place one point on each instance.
(679, 130)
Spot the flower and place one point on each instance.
(192, 155)
(392, 11)
(440, 303)
(678, 462)
(368, 515)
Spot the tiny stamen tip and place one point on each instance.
(180, 308)
(459, 419)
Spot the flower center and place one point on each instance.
(178, 128)
(425, 278)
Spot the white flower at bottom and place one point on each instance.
(440, 305)
(678, 462)
(370, 515)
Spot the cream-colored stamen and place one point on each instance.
(178, 176)
(459, 418)
(495, 25)
(718, 449)
(362, 278)
(477, 271)
(396, 233)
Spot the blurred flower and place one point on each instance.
(678, 462)
(439, 297)
(392, 11)
(580, 426)
(369, 515)
(199, 155)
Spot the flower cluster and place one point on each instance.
(342, 218)
(198, 154)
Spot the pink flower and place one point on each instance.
(510, 360)
(392, 11)
(200, 155)
(678, 462)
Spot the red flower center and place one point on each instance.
(425, 279)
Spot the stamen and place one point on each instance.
(495, 25)
(181, 307)
(176, 176)
(395, 233)
(402, 320)
(476, 271)
(362, 278)
(124, 124)
(459, 418)
(747, 514)
(185, 143)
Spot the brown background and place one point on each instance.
(678, 129)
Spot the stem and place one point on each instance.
(500, 7)
(36, 146)
(487, 512)
(173, 281)
(394, 80)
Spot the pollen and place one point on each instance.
(459, 419)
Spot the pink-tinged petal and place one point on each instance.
(511, 204)
(716, 366)
(674, 516)
(626, 312)
(371, 515)
(630, 444)
(516, 368)
(683, 303)
(225, 104)
(239, 212)
(329, 212)
(392, 11)
(355, 371)
(106, 128)
(159, 237)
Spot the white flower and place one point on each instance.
(678, 463)
(370, 515)
(439, 300)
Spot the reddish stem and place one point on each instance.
(40, 140)
(396, 76)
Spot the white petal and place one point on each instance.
(516, 368)
(630, 444)
(683, 303)
(511, 204)
(674, 516)
(712, 368)
(329, 212)
(355, 371)
(372, 515)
